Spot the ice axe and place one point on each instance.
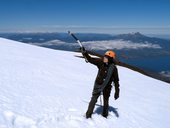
(78, 41)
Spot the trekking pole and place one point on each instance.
(78, 41)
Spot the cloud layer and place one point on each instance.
(51, 43)
(119, 44)
(102, 45)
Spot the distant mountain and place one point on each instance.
(130, 41)
(130, 36)
(44, 37)
(140, 38)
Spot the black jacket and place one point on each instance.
(102, 73)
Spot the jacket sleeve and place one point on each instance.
(116, 80)
(94, 61)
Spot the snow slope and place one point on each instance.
(44, 88)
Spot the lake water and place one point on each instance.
(154, 64)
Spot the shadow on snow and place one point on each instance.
(99, 110)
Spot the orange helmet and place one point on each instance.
(110, 54)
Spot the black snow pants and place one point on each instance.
(95, 96)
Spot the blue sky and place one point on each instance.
(148, 16)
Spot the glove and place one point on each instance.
(116, 96)
(83, 50)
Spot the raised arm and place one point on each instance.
(94, 61)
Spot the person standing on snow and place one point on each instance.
(107, 74)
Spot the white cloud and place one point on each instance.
(102, 45)
(54, 42)
(119, 44)
(50, 43)
(165, 73)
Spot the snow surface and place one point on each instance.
(45, 88)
